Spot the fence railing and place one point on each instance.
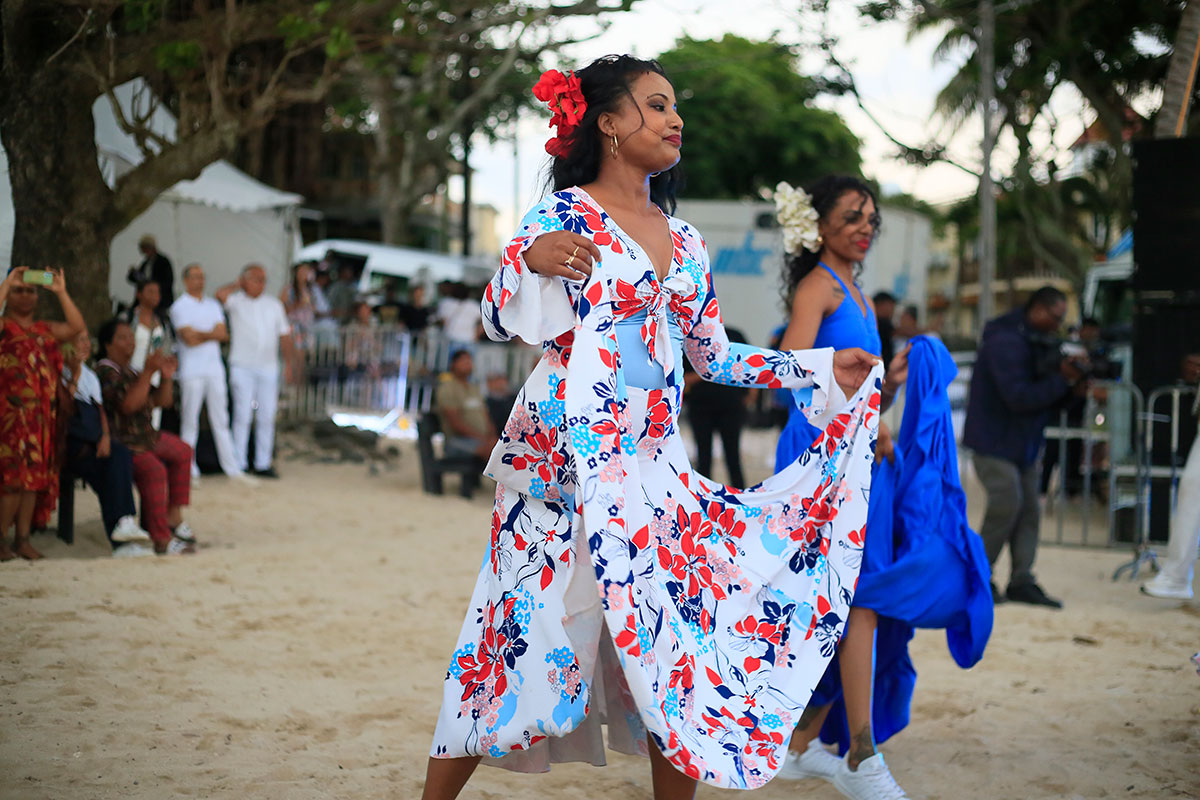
(385, 371)
(1114, 448)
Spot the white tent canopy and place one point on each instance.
(223, 219)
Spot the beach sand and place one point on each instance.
(300, 655)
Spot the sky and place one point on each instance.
(897, 76)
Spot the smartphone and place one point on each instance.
(39, 276)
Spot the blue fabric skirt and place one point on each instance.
(923, 567)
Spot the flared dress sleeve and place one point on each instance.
(520, 304)
(808, 373)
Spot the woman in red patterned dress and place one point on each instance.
(30, 367)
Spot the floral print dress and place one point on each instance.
(618, 585)
(30, 366)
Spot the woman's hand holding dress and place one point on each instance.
(851, 367)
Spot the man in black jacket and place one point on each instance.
(1019, 377)
(154, 267)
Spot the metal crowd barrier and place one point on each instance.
(1120, 425)
(1110, 409)
(1143, 552)
(383, 376)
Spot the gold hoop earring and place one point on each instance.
(613, 146)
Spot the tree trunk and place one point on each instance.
(61, 203)
(1180, 84)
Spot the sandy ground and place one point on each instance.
(300, 655)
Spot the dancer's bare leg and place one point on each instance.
(856, 656)
(811, 720)
(669, 783)
(445, 777)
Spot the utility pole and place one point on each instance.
(465, 221)
(987, 196)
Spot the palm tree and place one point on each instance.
(1180, 85)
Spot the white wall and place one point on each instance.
(747, 260)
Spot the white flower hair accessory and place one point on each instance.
(796, 215)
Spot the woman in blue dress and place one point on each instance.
(922, 565)
(829, 309)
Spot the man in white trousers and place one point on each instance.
(200, 327)
(258, 329)
(1174, 578)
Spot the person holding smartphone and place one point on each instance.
(30, 367)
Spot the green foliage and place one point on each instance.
(139, 16)
(1111, 52)
(297, 29)
(749, 119)
(174, 58)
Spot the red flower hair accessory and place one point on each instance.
(563, 95)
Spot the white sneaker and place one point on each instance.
(178, 547)
(814, 762)
(1163, 587)
(871, 781)
(184, 531)
(132, 550)
(245, 478)
(128, 530)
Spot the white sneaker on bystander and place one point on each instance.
(1163, 587)
(132, 550)
(128, 530)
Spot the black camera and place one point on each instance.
(1090, 360)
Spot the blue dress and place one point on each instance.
(922, 565)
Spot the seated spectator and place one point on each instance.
(151, 331)
(30, 369)
(462, 411)
(92, 454)
(162, 462)
(500, 399)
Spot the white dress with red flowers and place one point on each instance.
(619, 585)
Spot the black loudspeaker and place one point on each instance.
(1164, 331)
(1166, 207)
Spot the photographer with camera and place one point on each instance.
(1091, 355)
(1021, 374)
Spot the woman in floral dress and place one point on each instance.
(619, 586)
(30, 368)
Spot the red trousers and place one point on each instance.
(164, 479)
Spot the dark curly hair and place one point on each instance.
(604, 83)
(825, 193)
(108, 329)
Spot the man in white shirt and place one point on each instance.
(458, 314)
(258, 330)
(200, 326)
